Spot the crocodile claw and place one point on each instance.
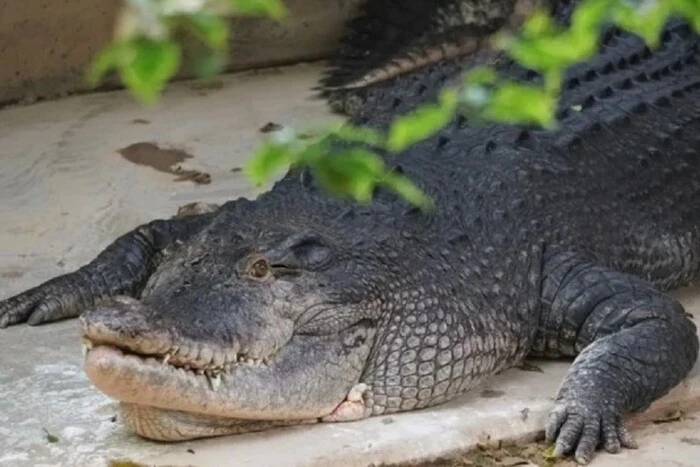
(581, 427)
(18, 309)
(40, 305)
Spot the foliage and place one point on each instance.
(146, 55)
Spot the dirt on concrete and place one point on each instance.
(498, 454)
(164, 160)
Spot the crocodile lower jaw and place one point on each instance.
(173, 426)
(168, 403)
(147, 380)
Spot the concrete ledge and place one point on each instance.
(67, 193)
(46, 46)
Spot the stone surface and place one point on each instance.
(66, 193)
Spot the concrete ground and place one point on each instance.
(67, 192)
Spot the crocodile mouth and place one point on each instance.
(171, 381)
(171, 388)
(209, 364)
(170, 402)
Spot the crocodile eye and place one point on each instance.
(260, 269)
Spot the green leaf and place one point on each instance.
(267, 160)
(210, 28)
(408, 190)
(146, 66)
(114, 55)
(646, 20)
(481, 75)
(548, 452)
(422, 123)
(521, 103)
(556, 52)
(538, 24)
(690, 10)
(589, 16)
(352, 173)
(275, 9)
(210, 64)
(358, 134)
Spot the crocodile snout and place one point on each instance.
(126, 323)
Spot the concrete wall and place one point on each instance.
(46, 45)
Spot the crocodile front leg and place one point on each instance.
(634, 344)
(121, 269)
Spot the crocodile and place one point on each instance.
(302, 307)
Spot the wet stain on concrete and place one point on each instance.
(165, 160)
(270, 127)
(11, 274)
(491, 393)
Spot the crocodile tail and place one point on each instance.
(394, 37)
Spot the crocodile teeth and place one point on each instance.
(87, 345)
(355, 394)
(166, 358)
(214, 380)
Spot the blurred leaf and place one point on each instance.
(539, 24)
(554, 52)
(210, 64)
(481, 75)
(145, 65)
(267, 160)
(521, 103)
(422, 123)
(646, 20)
(689, 9)
(408, 190)
(358, 134)
(548, 452)
(275, 9)
(352, 173)
(589, 16)
(152, 65)
(115, 55)
(210, 28)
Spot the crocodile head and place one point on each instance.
(235, 333)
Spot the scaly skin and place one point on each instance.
(392, 39)
(299, 307)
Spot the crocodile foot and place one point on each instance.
(38, 306)
(581, 426)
